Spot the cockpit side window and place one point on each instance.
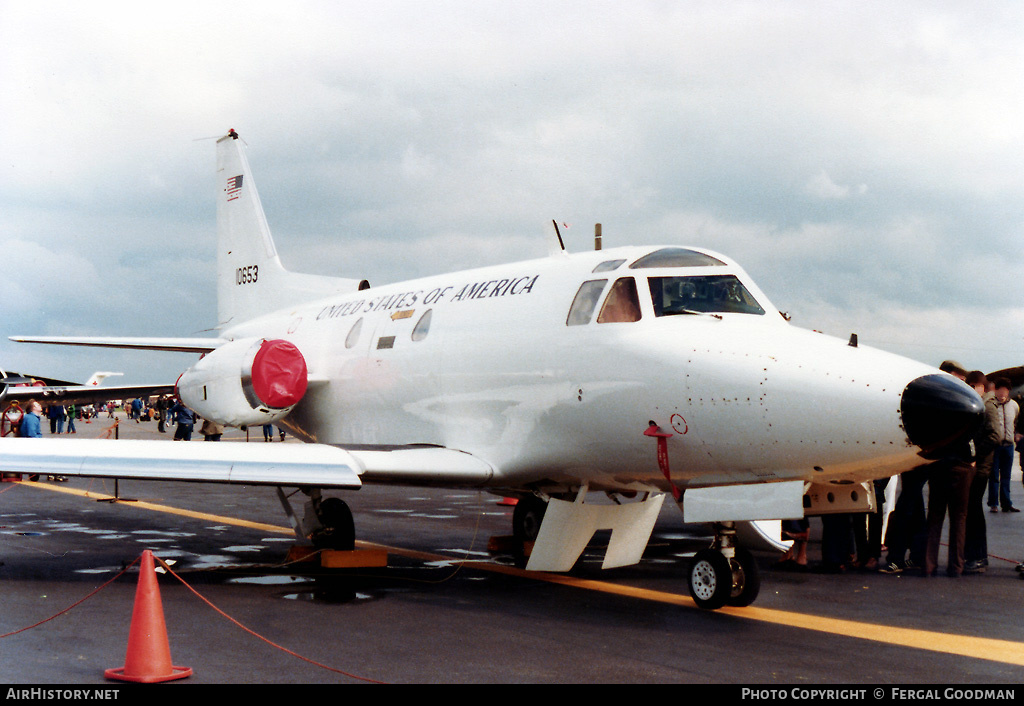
(698, 295)
(583, 304)
(622, 304)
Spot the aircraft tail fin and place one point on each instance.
(98, 377)
(251, 281)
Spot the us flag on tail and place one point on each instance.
(234, 187)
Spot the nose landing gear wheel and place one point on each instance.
(746, 582)
(710, 579)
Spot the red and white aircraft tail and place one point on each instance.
(98, 377)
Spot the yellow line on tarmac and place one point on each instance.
(1004, 651)
(160, 508)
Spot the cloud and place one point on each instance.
(401, 139)
(821, 186)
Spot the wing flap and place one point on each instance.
(315, 465)
(435, 466)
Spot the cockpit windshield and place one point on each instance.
(709, 294)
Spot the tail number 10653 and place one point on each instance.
(247, 275)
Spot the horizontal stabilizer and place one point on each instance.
(181, 345)
(315, 465)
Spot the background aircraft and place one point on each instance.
(18, 388)
(591, 386)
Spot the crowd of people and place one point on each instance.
(963, 482)
(61, 415)
(167, 409)
(163, 410)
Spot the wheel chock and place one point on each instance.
(302, 553)
(353, 558)
(148, 658)
(508, 544)
(338, 558)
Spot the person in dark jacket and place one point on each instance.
(185, 420)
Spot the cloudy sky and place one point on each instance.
(862, 160)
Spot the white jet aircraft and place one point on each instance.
(15, 388)
(588, 385)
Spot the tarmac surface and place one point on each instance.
(446, 610)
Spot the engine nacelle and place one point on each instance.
(247, 382)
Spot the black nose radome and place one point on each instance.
(938, 410)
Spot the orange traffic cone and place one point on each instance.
(149, 652)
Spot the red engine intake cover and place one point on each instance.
(279, 375)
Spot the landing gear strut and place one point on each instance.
(327, 522)
(724, 574)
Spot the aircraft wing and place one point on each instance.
(317, 465)
(81, 394)
(181, 345)
(1015, 374)
(9, 377)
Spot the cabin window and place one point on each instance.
(608, 265)
(676, 257)
(353, 334)
(697, 295)
(586, 299)
(622, 303)
(422, 328)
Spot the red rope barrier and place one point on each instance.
(73, 605)
(257, 635)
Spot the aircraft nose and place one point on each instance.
(939, 409)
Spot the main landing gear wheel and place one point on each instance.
(338, 530)
(710, 579)
(527, 517)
